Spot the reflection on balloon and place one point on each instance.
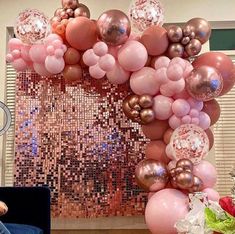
(82, 10)
(175, 33)
(175, 50)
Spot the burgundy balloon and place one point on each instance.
(82, 10)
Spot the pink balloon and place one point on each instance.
(195, 104)
(188, 69)
(144, 82)
(180, 107)
(50, 50)
(52, 37)
(16, 54)
(150, 195)
(100, 48)
(207, 173)
(187, 119)
(38, 53)
(162, 62)
(96, 72)
(132, 56)
(163, 107)
(194, 113)
(113, 50)
(107, 62)
(161, 76)
(172, 87)
(41, 69)
(90, 58)
(181, 95)
(195, 121)
(179, 61)
(59, 53)
(175, 122)
(164, 209)
(54, 65)
(19, 65)
(175, 72)
(204, 120)
(57, 44)
(14, 44)
(25, 53)
(118, 75)
(169, 152)
(9, 58)
(212, 194)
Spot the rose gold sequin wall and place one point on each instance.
(76, 140)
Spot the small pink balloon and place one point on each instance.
(14, 44)
(194, 113)
(144, 82)
(40, 69)
(100, 48)
(180, 107)
(59, 53)
(198, 105)
(16, 54)
(195, 121)
(162, 62)
(113, 50)
(188, 69)
(90, 58)
(118, 75)
(132, 56)
(25, 53)
(19, 65)
(171, 88)
(38, 53)
(54, 65)
(204, 120)
(64, 48)
(181, 95)
(107, 62)
(178, 61)
(163, 107)
(57, 44)
(161, 76)
(186, 119)
(9, 58)
(50, 50)
(175, 72)
(174, 122)
(96, 72)
(207, 173)
(51, 38)
(212, 194)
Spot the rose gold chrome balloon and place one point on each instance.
(185, 180)
(197, 185)
(175, 50)
(175, 33)
(58, 12)
(82, 10)
(146, 101)
(185, 164)
(194, 47)
(73, 4)
(147, 115)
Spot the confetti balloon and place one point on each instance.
(189, 142)
(144, 14)
(32, 26)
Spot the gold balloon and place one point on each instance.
(197, 185)
(185, 164)
(151, 175)
(175, 50)
(175, 33)
(194, 47)
(146, 101)
(82, 10)
(147, 116)
(185, 180)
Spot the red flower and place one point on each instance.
(227, 204)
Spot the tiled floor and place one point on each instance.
(101, 232)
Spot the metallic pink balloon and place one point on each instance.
(151, 175)
(175, 50)
(82, 10)
(175, 33)
(194, 47)
(114, 27)
(73, 4)
(58, 12)
(189, 142)
(205, 83)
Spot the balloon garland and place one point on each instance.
(172, 98)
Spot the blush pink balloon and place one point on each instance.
(14, 44)
(96, 72)
(16, 54)
(113, 50)
(144, 82)
(161, 75)
(204, 120)
(51, 38)
(19, 65)
(90, 58)
(54, 65)
(57, 44)
(195, 104)
(180, 107)
(9, 58)
(100, 48)
(118, 75)
(172, 87)
(25, 53)
(164, 209)
(161, 62)
(132, 56)
(195, 121)
(194, 113)
(187, 119)
(169, 152)
(107, 62)
(38, 53)
(181, 95)
(40, 69)
(207, 173)
(175, 122)
(59, 53)
(212, 194)
(50, 50)
(175, 72)
(178, 61)
(163, 107)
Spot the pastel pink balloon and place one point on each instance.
(186, 119)
(96, 72)
(64, 48)
(16, 54)
(164, 209)
(180, 107)
(144, 82)
(174, 122)
(171, 165)
(25, 53)
(175, 72)
(150, 195)
(14, 44)
(132, 56)
(212, 194)
(59, 53)
(107, 62)
(195, 121)
(188, 69)
(38, 53)
(198, 105)
(57, 44)
(54, 65)
(113, 50)
(50, 50)
(181, 95)
(207, 173)
(162, 62)
(204, 120)
(163, 107)
(100, 48)
(178, 61)
(118, 75)
(9, 58)
(134, 37)
(40, 69)
(90, 58)
(19, 65)
(172, 87)
(161, 75)
(194, 113)
(169, 152)
(51, 38)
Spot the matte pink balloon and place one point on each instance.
(161, 76)
(161, 62)
(164, 209)
(163, 107)
(14, 44)
(144, 82)
(195, 121)
(187, 119)
(38, 53)
(96, 72)
(52, 37)
(212, 194)
(19, 65)
(169, 152)
(25, 53)
(179, 61)
(118, 75)
(195, 104)
(175, 122)
(9, 58)
(180, 107)
(175, 72)
(113, 50)
(181, 95)
(204, 120)
(54, 65)
(194, 113)
(171, 88)
(207, 173)
(100, 48)
(107, 62)
(90, 58)
(132, 56)
(41, 69)
(16, 54)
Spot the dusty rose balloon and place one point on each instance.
(114, 27)
(86, 29)
(156, 150)
(82, 10)
(151, 175)
(204, 83)
(73, 4)
(175, 33)
(155, 130)
(194, 47)
(167, 135)
(164, 209)
(175, 50)
(212, 194)
(212, 108)
(71, 56)
(222, 63)
(72, 73)
(155, 40)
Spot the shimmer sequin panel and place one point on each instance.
(76, 140)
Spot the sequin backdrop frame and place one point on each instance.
(76, 140)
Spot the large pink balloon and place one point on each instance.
(38, 54)
(19, 65)
(164, 209)
(132, 56)
(144, 82)
(14, 44)
(40, 69)
(207, 173)
(54, 65)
